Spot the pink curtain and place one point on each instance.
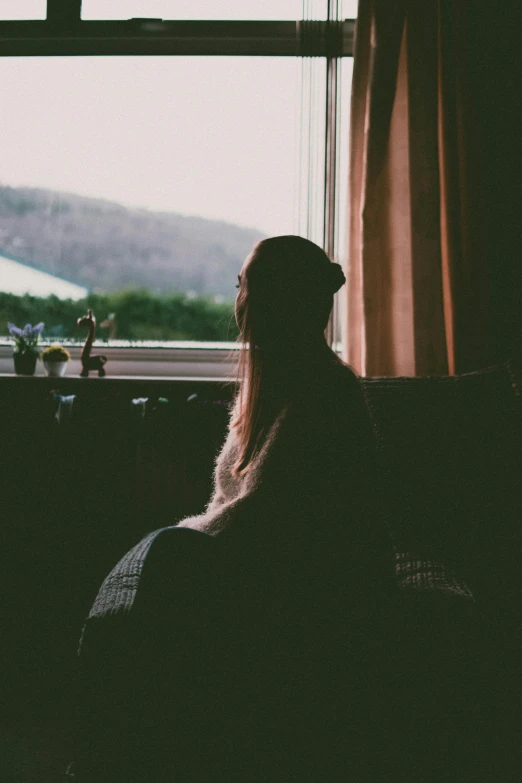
(426, 248)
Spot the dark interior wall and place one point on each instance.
(492, 47)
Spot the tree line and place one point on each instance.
(134, 314)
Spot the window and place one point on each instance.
(23, 9)
(137, 184)
(267, 10)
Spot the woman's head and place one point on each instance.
(285, 296)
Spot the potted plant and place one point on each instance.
(25, 351)
(55, 360)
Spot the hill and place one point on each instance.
(107, 247)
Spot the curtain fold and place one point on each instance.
(424, 228)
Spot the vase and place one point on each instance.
(25, 363)
(55, 369)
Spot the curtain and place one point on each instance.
(434, 280)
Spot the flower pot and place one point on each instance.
(55, 369)
(25, 363)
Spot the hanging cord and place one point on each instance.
(330, 152)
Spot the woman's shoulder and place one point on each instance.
(344, 377)
(345, 390)
(335, 411)
(332, 389)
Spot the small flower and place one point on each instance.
(27, 338)
(14, 331)
(55, 353)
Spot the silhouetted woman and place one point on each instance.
(243, 643)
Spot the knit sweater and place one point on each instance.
(316, 467)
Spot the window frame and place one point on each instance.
(65, 33)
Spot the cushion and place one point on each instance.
(417, 574)
(450, 454)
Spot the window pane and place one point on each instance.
(23, 9)
(142, 182)
(205, 9)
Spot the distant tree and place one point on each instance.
(138, 315)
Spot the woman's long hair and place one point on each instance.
(282, 309)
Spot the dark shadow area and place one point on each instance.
(79, 492)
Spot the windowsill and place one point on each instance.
(181, 361)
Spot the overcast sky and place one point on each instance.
(209, 136)
(183, 9)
